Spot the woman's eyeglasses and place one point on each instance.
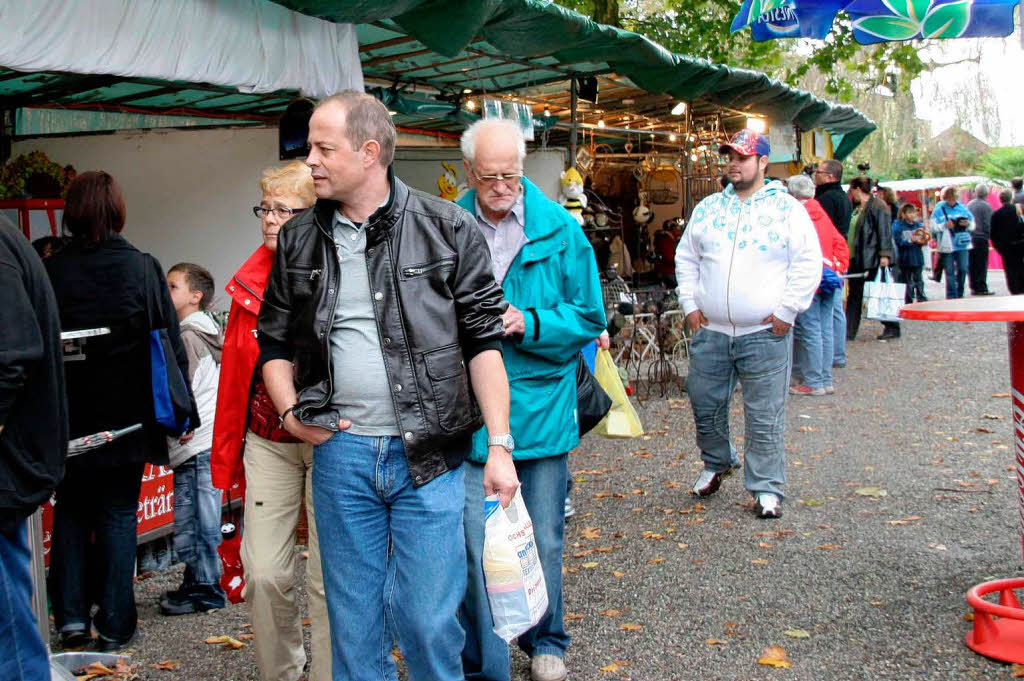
(280, 212)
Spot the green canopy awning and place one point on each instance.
(510, 45)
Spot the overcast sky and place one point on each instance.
(1002, 62)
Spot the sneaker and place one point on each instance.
(177, 603)
(830, 390)
(106, 645)
(708, 482)
(547, 668)
(889, 334)
(75, 638)
(768, 506)
(806, 390)
(570, 510)
(838, 365)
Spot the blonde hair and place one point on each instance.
(294, 177)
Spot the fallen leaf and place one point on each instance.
(589, 566)
(631, 626)
(656, 561)
(396, 654)
(572, 616)
(716, 642)
(166, 665)
(226, 641)
(616, 666)
(602, 495)
(618, 575)
(591, 532)
(812, 502)
(1017, 671)
(905, 521)
(968, 617)
(245, 637)
(1000, 395)
(870, 492)
(765, 545)
(983, 430)
(682, 546)
(98, 669)
(937, 547)
(877, 604)
(306, 621)
(775, 656)
(797, 633)
(759, 561)
(992, 417)
(610, 612)
(829, 547)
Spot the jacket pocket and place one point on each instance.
(302, 280)
(425, 268)
(449, 383)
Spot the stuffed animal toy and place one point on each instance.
(573, 198)
(448, 182)
(642, 214)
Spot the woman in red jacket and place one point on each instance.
(250, 447)
(813, 337)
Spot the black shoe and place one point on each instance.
(889, 334)
(106, 645)
(838, 365)
(70, 640)
(177, 603)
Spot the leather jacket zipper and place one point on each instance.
(313, 274)
(417, 270)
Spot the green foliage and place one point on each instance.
(15, 174)
(1002, 163)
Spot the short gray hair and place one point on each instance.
(801, 187)
(981, 191)
(366, 118)
(833, 168)
(469, 135)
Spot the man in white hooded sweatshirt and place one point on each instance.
(747, 265)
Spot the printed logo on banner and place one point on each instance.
(876, 21)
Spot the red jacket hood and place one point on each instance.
(834, 250)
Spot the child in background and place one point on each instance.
(197, 503)
(911, 235)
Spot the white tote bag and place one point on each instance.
(883, 297)
(516, 590)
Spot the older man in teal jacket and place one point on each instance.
(547, 268)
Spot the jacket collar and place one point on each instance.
(539, 220)
(827, 187)
(254, 273)
(379, 224)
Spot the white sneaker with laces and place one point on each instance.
(704, 483)
(768, 506)
(547, 668)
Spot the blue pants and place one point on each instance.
(197, 506)
(486, 655)
(955, 264)
(394, 560)
(761, 363)
(813, 340)
(24, 655)
(838, 330)
(92, 556)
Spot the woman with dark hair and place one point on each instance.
(872, 248)
(101, 280)
(889, 198)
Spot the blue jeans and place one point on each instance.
(955, 264)
(486, 655)
(24, 657)
(838, 330)
(197, 506)
(761, 363)
(92, 555)
(812, 348)
(365, 505)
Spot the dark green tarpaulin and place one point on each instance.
(528, 29)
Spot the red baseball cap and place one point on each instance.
(747, 143)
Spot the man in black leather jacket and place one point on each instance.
(380, 337)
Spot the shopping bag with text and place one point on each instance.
(512, 572)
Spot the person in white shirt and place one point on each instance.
(747, 265)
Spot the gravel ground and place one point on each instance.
(661, 587)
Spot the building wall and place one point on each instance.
(190, 193)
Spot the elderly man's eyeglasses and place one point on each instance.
(281, 212)
(509, 179)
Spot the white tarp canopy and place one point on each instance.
(926, 183)
(253, 45)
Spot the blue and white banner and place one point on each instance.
(876, 21)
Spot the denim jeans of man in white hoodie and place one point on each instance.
(740, 263)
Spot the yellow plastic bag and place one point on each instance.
(622, 420)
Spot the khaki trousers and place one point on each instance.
(277, 477)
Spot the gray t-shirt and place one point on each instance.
(361, 390)
(982, 212)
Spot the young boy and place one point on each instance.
(910, 236)
(197, 503)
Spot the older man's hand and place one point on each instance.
(513, 322)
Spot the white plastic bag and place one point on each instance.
(512, 572)
(883, 299)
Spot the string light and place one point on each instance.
(600, 123)
(466, 91)
(672, 137)
(471, 105)
(547, 112)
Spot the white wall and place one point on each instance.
(189, 193)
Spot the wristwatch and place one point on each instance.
(505, 441)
